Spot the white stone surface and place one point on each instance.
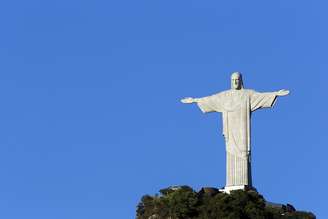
(228, 189)
(236, 106)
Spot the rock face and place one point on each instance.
(182, 202)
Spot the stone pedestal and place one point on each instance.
(228, 189)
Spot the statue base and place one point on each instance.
(228, 189)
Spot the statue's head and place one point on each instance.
(236, 81)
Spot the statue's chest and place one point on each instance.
(234, 101)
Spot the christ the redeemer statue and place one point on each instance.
(236, 106)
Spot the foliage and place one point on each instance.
(173, 203)
(184, 203)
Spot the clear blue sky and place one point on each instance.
(90, 118)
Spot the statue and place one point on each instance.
(237, 105)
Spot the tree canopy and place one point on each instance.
(184, 203)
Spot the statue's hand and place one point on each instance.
(188, 100)
(283, 92)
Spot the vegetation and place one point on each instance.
(184, 203)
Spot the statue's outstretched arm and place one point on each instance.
(189, 100)
(282, 92)
(206, 104)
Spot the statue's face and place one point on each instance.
(236, 82)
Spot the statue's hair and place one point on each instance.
(239, 75)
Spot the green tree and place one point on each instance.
(184, 203)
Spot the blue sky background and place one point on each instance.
(90, 118)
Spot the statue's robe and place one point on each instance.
(236, 107)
